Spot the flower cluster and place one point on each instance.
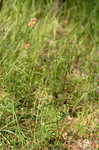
(31, 23)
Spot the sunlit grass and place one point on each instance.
(49, 76)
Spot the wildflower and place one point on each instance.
(26, 45)
(65, 22)
(32, 22)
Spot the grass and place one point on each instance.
(49, 76)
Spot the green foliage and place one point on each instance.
(49, 74)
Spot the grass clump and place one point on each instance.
(49, 76)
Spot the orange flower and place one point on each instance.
(32, 22)
(66, 22)
(26, 45)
